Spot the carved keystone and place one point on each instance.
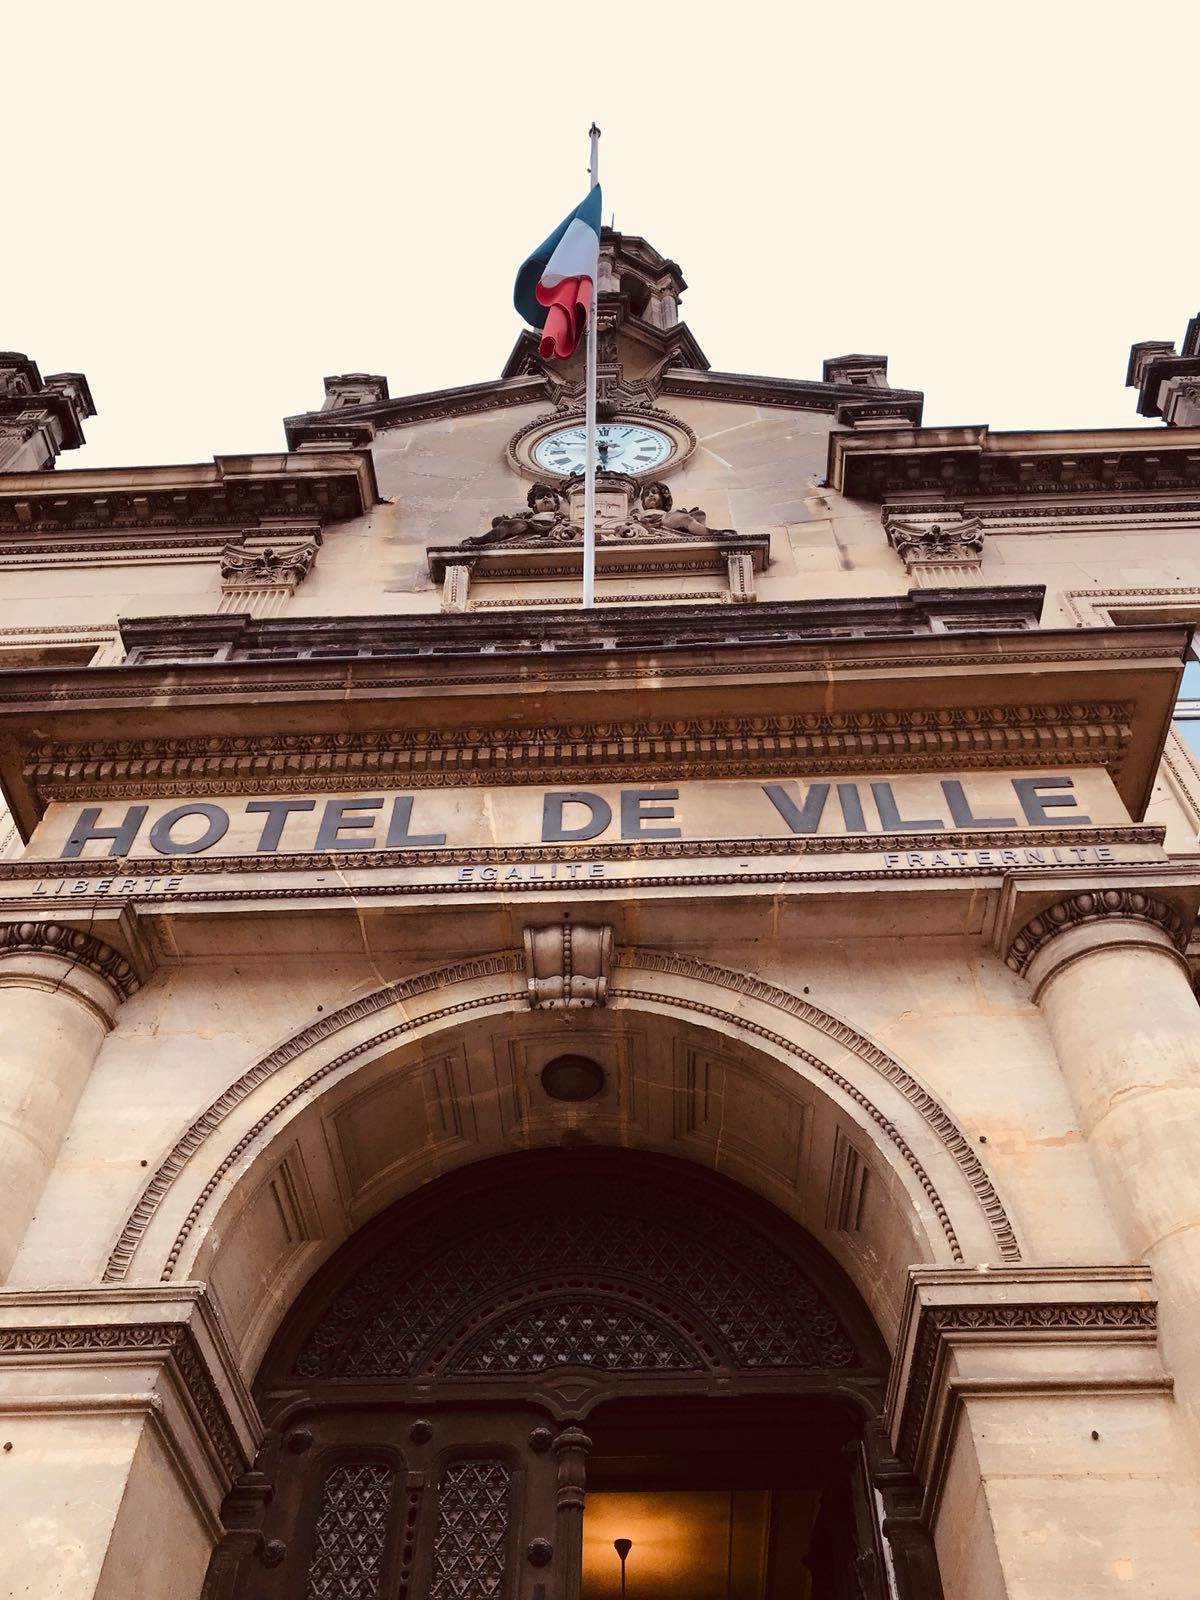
(567, 965)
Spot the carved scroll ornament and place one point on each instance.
(937, 549)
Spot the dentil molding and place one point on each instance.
(797, 744)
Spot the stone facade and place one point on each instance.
(844, 855)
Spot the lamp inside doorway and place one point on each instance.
(623, 1547)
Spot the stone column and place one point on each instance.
(1107, 974)
(59, 992)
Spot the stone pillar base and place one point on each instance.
(123, 1423)
(1033, 1407)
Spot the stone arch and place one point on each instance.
(694, 1051)
(525, 1327)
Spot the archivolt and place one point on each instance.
(205, 1124)
(510, 963)
(931, 1110)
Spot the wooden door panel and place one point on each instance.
(380, 1503)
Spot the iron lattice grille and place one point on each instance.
(351, 1531)
(582, 1333)
(470, 1548)
(695, 1286)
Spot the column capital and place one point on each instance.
(74, 946)
(1096, 918)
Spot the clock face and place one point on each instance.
(620, 446)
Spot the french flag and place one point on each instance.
(555, 285)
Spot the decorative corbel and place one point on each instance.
(938, 548)
(567, 965)
(268, 568)
(260, 580)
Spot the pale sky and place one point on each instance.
(208, 208)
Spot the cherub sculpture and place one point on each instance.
(654, 510)
(545, 519)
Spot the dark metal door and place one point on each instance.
(361, 1502)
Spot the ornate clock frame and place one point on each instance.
(519, 452)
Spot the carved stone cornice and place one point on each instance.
(74, 946)
(827, 626)
(627, 597)
(152, 1339)
(845, 402)
(363, 422)
(1093, 906)
(742, 745)
(1148, 839)
(1059, 1320)
(261, 704)
(234, 491)
(648, 554)
(969, 462)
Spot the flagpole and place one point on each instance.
(589, 421)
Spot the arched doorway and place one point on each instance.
(545, 1332)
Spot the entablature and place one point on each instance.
(664, 557)
(229, 703)
(153, 910)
